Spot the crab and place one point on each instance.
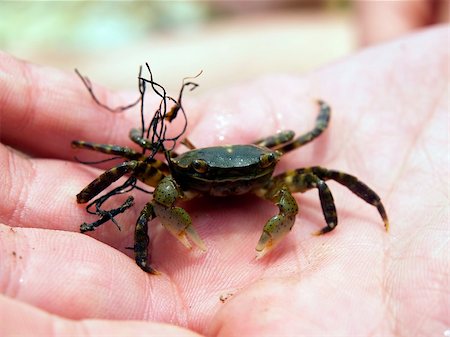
(222, 171)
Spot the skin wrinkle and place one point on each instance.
(351, 135)
(8, 158)
(350, 126)
(17, 264)
(111, 268)
(401, 261)
(31, 97)
(5, 99)
(443, 182)
(148, 305)
(8, 289)
(21, 197)
(298, 253)
(387, 299)
(388, 294)
(338, 287)
(53, 322)
(415, 141)
(391, 305)
(181, 302)
(83, 328)
(436, 105)
(31, 176)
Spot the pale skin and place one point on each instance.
(403, 17)
(389, 127)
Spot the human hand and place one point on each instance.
(388, 126)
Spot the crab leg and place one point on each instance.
(279, 225)
(322, 121)
(303, 179)
(145, 143)
(116, 150)
(277, 139)
(309, 180)
(106, 216)
(122, 151)
(147, 173)
(142, 240)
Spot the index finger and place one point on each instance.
(43, 110)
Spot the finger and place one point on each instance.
(41, 193)
(43, 110)
(403, 17)
(40, 190)
(40, 323)
(75, 276)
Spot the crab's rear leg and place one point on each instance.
(145, 143)
(137, 137)
(277, 139)
(116, 150)
(284, 141)
(321, 124)
(303, 179)
(143, 171)
(121, 151)
(142, 240)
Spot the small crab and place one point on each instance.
(222, 171)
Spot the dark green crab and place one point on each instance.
(225, 171)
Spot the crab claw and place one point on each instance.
(190, 233)
(186, 235)
(279, 225)
(178, 222)
(265, 245)
(274, 231)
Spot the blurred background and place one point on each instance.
(230, 41)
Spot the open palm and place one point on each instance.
(388, 127)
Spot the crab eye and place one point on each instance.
(267, 159)
(200, 165)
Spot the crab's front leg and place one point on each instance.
(175, 219)
(279, 225)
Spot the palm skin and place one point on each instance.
(388, 126)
